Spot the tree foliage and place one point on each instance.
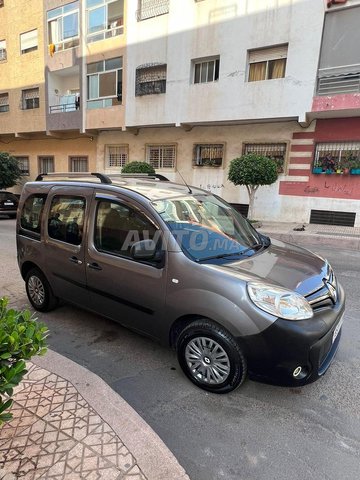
(9, 170)
(253, 169)
(21, 337)
(138, 167)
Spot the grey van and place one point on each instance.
(180, 265)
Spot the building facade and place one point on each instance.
(188, 85)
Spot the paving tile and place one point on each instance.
(134, 474)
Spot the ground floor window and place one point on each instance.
(78, 164)
(116, 155)
(208, 155)
(161, 156)
(275, 151)
(336, 157)
(24, 165)
(46, 164)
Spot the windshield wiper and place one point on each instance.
(223, 255)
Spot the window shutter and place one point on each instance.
(31, 93)
(264, 54)
(29, 40)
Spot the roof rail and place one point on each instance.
(158, 176)
(103, 178)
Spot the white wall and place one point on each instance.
(228, 28)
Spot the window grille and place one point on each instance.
(30, 99)
(332, 155)
(24, 166)
(151, 8)
(117, 155)
(4, 102)
(150, 79)
(46, 164)
(210, 155)
(275, 151)
(161, 156)
(78, 164)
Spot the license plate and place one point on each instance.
(337, 330)
(8, 203)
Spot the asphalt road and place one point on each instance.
(258, 432)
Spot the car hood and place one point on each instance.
(282, 264)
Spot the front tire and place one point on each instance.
(39, 291)
(210, 357)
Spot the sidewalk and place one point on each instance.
(69, 425)
(325, 235)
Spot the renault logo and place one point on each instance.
(331, 290)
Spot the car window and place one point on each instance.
(119, 226)
(4, 196)
(66, 219)
(31, 213)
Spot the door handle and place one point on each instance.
(94, 266)
(74, 259)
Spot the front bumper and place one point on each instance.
(275, 353)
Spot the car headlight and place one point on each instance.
(279, 301)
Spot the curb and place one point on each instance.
(301, 238)
(153, 457)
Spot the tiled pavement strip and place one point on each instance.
(55, 434)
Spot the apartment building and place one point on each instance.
(188, 85)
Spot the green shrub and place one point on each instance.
(21, 337)
(138, 167)
(9, 171)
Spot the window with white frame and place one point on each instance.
(208, 155)
(116, 155)
(104, 83)
(3, 55)
(29, 41)
(4, 102)
(267, 63)
(150, 79)
(24, 165)
(78, 164)
(63, 26)
(30, 99)
(337, 156)
(206, 70)
(161, 156)
(151, 8)
(46, 164)
(105, 19)
(275, 151)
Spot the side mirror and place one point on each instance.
(143, 250)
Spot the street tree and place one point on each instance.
(9, 170)
(138, 167)
(252, 170)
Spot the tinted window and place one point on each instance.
(31, 213)
(119, 226)
(66, 219)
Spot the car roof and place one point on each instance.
(149, 187)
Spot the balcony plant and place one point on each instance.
(328, 164)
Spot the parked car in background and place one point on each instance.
(8, 204)
(182, 266)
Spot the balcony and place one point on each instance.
(63, 91)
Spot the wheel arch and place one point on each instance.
(27, 266)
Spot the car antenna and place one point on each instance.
(183, 179)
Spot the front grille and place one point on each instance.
(322, 297)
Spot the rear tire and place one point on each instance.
(39, 291)
(210, 357)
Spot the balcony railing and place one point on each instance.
(66, 103)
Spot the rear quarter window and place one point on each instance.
(31, 213)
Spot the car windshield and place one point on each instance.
(207, 228)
